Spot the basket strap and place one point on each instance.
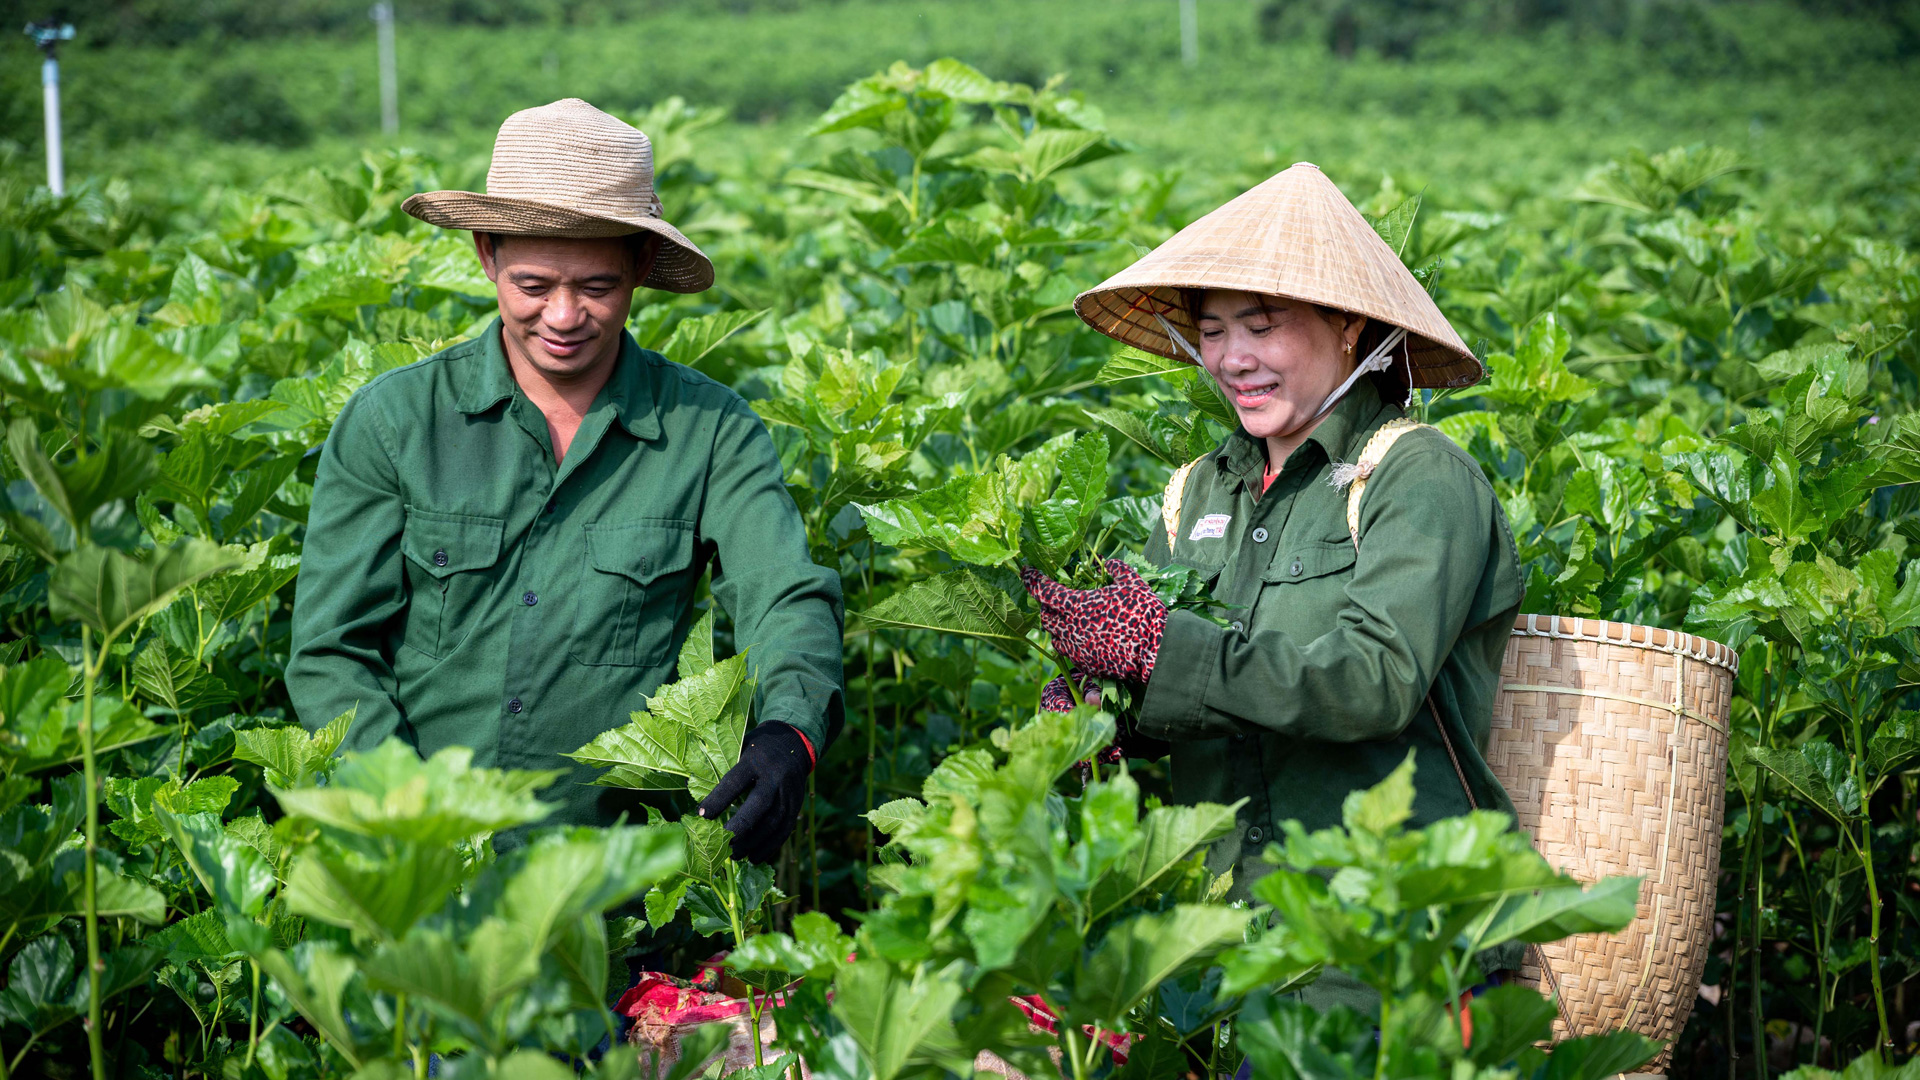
(1370, 457)
(1171, 499)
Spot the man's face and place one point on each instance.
(563, 302)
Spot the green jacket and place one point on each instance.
(460, 588)
(1321, 685)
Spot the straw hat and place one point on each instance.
(568, 169)
(1295, 236)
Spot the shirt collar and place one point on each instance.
(1339, 437)
(629, 391)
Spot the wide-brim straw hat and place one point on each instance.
(1294, 236)
(568, 169)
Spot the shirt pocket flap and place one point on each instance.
(1315, 558)
(444, 544)
(640, 550)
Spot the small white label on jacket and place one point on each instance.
(1213, 526)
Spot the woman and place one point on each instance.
(1349, 647)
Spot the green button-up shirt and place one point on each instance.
(459, 587)
(1321, 685)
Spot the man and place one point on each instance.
(506, 536)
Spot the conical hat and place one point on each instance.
(1295, 236)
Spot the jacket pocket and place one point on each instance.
(1304, 588)
(637, 576)
(448, 559)
(1309, 560)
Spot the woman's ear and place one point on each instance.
(1350, 337)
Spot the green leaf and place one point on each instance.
(1896, 743)
(1139, 954)
(390, 792)
(199, 938)
(1596, 1057)
(663, 901)
(1169, 834)
(109, 591)
(689, 735)
(890, 1015)
(962, 82)
(259, 574)
(290, 754)
(1506, 1021)
(694, 338)
(1383, 808)
(374, 898)
(970, 602)
(1132, 363)
(41, 991)
(314, 978)
(120, 467)
(1551, 914)
(177, 682)
(709, 846)
(1836, 768)
(1148, 430)
(1396, 225)
(1799, 774)
(236, 874)
(1055, 529)
(696, 653)
(966, 517)
(897, 816)
(816, 949)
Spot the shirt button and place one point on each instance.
(1295, 568)
(440, 557)
(530, 599)
(513, 706)
(1254, 835)
(1239, 627)
(1260, 535)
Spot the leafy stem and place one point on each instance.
(91, 665)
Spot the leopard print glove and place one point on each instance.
(1111, 632)
(1055, 697)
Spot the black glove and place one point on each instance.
(772, 774)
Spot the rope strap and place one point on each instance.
(1171, 499)
(1360, 471)
(1673, 707)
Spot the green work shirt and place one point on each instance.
(1320, 686)
(459, 587)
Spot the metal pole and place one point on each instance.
(48, 37)
(382, 15)
(1190, 32)
(50, 85)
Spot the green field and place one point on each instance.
(1682, 235)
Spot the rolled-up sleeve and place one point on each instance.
(351, 584)
(1423, 549)
(785, 609)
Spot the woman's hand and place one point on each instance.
(1055, 697)
(1127, 743)
(1111, 632)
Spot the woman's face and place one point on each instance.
(1276, 360)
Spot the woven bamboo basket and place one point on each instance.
(1612, 741)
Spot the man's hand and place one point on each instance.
(772, 774)
(1111, 632)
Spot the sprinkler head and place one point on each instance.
(47, 35)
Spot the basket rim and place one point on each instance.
(1630, 635)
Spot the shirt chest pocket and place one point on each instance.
(450, 573)
(636, 578)
(1304, 587)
